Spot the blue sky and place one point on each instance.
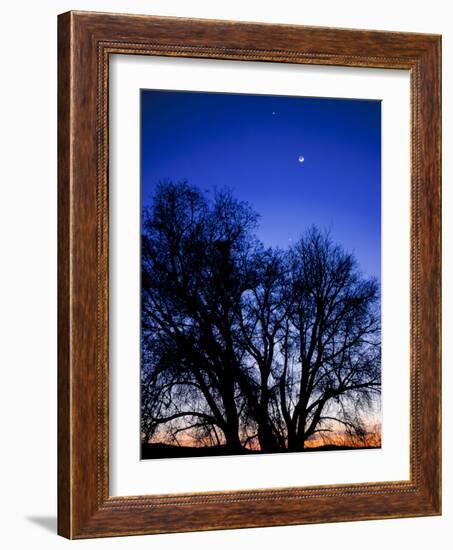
(252, 144)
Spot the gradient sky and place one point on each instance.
(252, 144)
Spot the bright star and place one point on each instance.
(301, 159)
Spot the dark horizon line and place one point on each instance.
(159, 451)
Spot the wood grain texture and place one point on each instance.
(86, 40)
(64, 368)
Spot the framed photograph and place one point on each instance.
(249, 275)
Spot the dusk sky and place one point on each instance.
(254, 145)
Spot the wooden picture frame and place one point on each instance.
(85, 42)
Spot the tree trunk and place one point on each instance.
(266, 437)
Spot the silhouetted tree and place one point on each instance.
(245, 346)
(331, 344)
(194, 272)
